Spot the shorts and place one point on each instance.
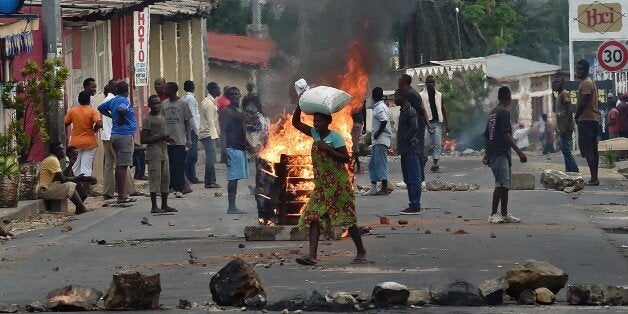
(56, 191)
(587, 138)
(158, 176)
(378, 165)
(238, 166)
(123, 146)
(500, 165)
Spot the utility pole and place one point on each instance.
(51, 13)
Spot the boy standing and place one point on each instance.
(498, 141)
(154, 136)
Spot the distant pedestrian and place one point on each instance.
(565, 124)
(208, 133)
(587, 117)
(178, 126)
(120, 110)
(332, 203)
(234, 145)
(437, 117)
(498, 142)
(223, 100)
(409, 146)
(612, 123)
(623, 116)
(521, 136)
(190, 162)
(154, 136)
(256, 122)
(85, 122)
(90, 87)
(381, 137)
(548, 147)
(160, 88)
(358, 117)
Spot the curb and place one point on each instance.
(23, 210)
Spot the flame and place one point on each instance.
(449, 145)
(283, 138)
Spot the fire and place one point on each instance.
(283, 138)
(449, 145)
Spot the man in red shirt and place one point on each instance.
(612, 124)
(623, 116)
(222, 100)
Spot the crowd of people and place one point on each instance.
(168, 147)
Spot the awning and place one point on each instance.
(16, 35)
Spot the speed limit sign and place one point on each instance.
(612, 55)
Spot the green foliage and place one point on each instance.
(463, 96)
(230, 18)
(494, 22)
(26, 98)
(610, 158)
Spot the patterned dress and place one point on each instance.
(332, 202)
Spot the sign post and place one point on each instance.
(141, 27)
(612, 56)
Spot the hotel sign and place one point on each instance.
(594, 20)
(140, 46)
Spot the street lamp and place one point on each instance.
(458, 28)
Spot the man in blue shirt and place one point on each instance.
(120, 110)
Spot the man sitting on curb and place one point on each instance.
(54, 185)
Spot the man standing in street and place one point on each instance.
(437, 117)
(178, 126)
(234, 144)
(565, 124)
(587, 117)
(382, 134)
(208, 133)
(190, 162)
(409, 146)
(120, 110)
(498, 142)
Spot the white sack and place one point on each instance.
(323, 99)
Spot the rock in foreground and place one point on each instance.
(72, 298)
(460, 293)
(562, 181)
(532, 275)
(132, 290)
(390, 293)
(234, 283)
(597, 295)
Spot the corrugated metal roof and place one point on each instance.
(504, 66)
(181, 8)
(241, 49)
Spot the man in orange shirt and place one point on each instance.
(85, 122)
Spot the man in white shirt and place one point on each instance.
(190, 162)
(381, 136)
(208, 132)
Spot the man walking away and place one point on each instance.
(549, 135)
(120, 110)
(409, 146)
(437, 117)
(178, 126)
(208, 133)
(587, 117)
(498, 142)
(190, 163)
(382, 134)
(234, 144)
(565, 124)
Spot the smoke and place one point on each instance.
(312, 38)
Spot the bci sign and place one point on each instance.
(600, 17)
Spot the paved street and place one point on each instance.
(563, 229)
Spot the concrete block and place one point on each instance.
(281, 233)
(23, 210)
(523, 181)
(57, 206)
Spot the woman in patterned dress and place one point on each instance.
(332, 202)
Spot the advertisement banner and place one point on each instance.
(141, 27)
(598, 20)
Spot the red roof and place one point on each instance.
(241, 49)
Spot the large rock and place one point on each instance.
(460, 293)
(133, 290)
(438, 185)
(526, 297)
(390, 293)
(343, 298)
(420, 297)
(597, 295)
(523, 181)
(72, 298)
(234, 283)
(493, 291)
(9, 308)
(534, 274)
(562, 181)
(544, 296)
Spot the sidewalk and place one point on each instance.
(23, 210)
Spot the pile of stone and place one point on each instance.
(439, 185)
(562, 181)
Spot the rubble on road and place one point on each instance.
(419, 297)
(9, 308)
(459, 293)
(544, 296)
(234, 283)
(493, 291)
(532, 275)
(72, 298)
(622, 168)
(133, 290)
(390, 293)
(597, 295)
(523, 181)
(562, 181)
(439, 185)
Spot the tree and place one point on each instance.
(230, 18)
(494, 22)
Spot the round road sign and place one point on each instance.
(612, 55)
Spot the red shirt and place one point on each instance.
(623, 117)
(223, 102)
(163, 96)
(614, 127)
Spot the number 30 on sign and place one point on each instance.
(612, 56)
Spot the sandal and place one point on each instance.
(305, 261)
(127, 199)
